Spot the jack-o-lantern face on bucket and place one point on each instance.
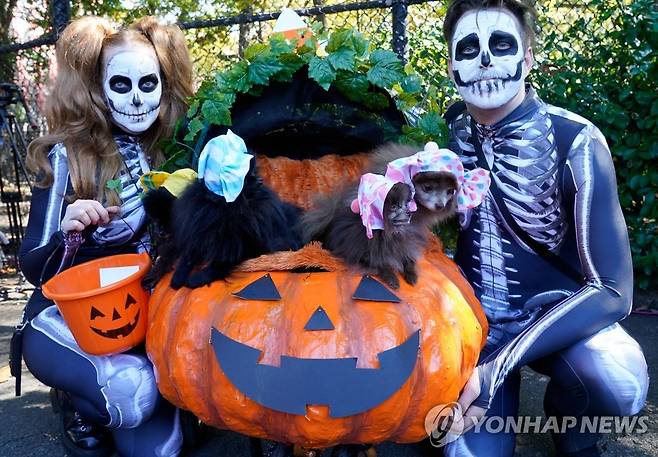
(317, 358)
(115, 321)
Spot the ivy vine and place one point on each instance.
(343, 59)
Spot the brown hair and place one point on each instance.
(524, 12)
(76, 110)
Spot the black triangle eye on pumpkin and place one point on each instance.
(261, 289)
(369, 289)
(130, 301)
(95, 313)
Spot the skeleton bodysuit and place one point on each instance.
(564, 195)
(118, 391)
(554, 175)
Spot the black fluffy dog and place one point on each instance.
(210, 236)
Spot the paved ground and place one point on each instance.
(28, 426)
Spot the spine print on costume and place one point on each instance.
(494, 294)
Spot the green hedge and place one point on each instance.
(603, 66)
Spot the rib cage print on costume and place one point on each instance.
(123, 228)
(523, 157)
(525, 169)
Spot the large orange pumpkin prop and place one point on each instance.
(293, 356)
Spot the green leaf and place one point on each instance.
(290, 63)
(387, 69)
(321, 71)
(193, 128)
(349, 39)
(411, 84)
(340, 39)
(360, 44)
(307, 51)
(256, 50)
(262, 67)
(238, 77)
(194, 108)
(177, 161)
(216, 112)
(412, 135)
(353, 85)
(431, 123)
(342, 59)
(280, 45)
(115, 185)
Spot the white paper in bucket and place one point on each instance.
(115, 274)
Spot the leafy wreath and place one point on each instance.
(345, 60)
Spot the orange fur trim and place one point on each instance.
(300, 181)
(313, 255)
(310, 256)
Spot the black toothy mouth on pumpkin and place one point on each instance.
(298, 383)
(119, 332)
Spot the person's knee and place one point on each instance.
(628, 384)
(476, 443)
(618, 363)
(131, 391)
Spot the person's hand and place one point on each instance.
(469, 414)
(82, 213)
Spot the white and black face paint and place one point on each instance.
(488, 58)
(133, 88)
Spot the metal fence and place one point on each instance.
(412, 28)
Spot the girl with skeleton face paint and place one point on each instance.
(101, 128)
(132, 86)
(488, 58)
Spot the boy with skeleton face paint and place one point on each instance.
(547, 252)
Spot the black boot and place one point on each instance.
(80, 437)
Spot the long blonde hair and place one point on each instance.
(77, 113)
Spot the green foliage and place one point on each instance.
(604, 68)
(115, 185)
(343, 59)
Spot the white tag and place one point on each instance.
(116, 274)
(289, 20)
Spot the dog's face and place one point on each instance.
(396, 206)
(436, 191)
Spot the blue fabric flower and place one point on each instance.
(224, 164)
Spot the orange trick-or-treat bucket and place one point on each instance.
(103, 302)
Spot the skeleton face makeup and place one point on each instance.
(488, 58)
(132, 86)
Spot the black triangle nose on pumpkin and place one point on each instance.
(319, 321)
(115, 315)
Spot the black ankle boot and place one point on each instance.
(80, 437)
